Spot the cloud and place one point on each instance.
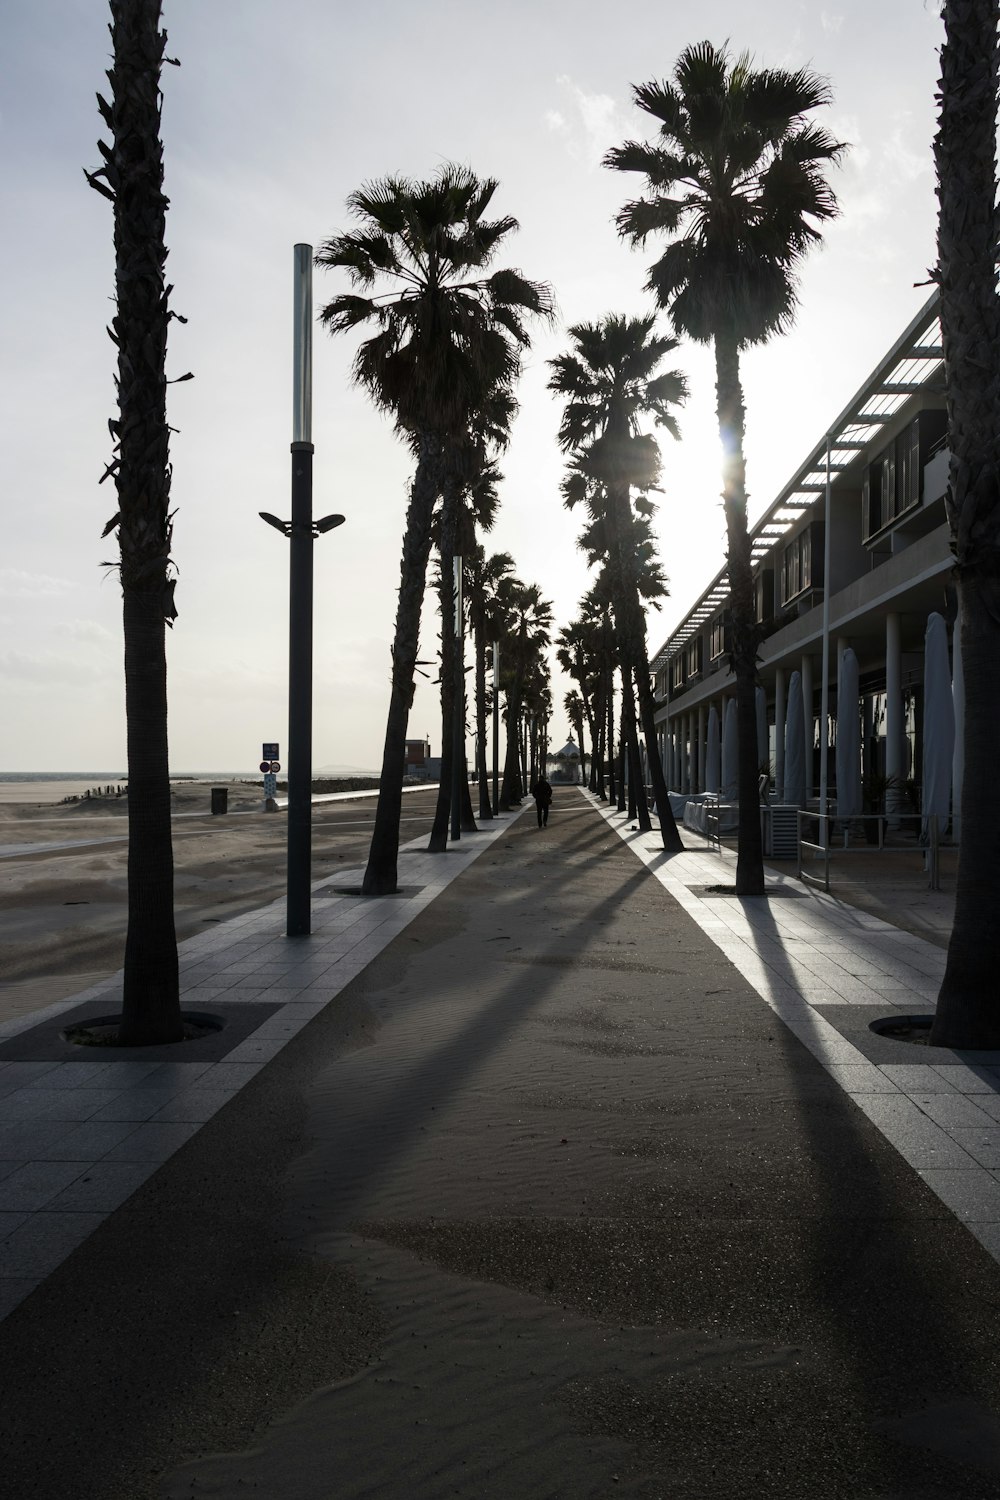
(589, 123)
(15, 583)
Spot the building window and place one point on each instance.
(718, 640)
(693, 658)
(677, 671)
(763, 596)
(801, 565)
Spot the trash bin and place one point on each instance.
(220, 799)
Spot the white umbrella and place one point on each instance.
(712, 755)
(730, 754)
(763, 740)
(795, 746)
(848, 737)
(939, 721)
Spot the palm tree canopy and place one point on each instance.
(447, 328)
(736, 179)
(610, 382)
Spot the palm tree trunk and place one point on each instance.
(638, 803)
(151, 995)
(479, 637)
(968, 1006)
(632, 633)
(133, 173)
(610, 699)
(745, 634)
(438, 840)
(383, 856)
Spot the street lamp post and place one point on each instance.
(301, 531)
(458, 710)
(496, 729)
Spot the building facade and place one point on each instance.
(852, 556)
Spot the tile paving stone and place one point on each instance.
(166, 1075)
(72, 1104)
(904, 1125)
(982, 1142)
(193, 1105)
(103, 1187)
(972, 1195)
(953, 1111)
(87, 1141)
(35, 1183)
(30, 1139)
(9, 1221)
(973, 1079)
(913, 1077)
(22, 1104)
(989, 1104)
(253, 1051)
(151, 1142)
(18, 1074)
(44, 1240)
(136, 1104)
(75, 1075)
(861, 1078)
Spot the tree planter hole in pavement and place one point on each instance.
(404, 891)
(102, 1031)
(730, 890)
(916, 1029)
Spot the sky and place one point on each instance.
(274, 117)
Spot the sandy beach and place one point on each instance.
(63, 870)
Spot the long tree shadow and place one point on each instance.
(904, 1284)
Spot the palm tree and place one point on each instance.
(577, 654)
(735, 180)
(484, 576)
(527, 618)
(470, 499)
(968, 1014)
(132, 177)
(573, 706)
(447, 334)
(610, 384)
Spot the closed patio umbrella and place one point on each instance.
(763, 741)
(939, 721)
(795, 745)
(848, 737)
(730, 754)
(712, 753)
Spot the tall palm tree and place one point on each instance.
(735, 179)
(968, 1007)
(132, 177)
(448, 332)
(527, 618)
(573, 706)
(577, 654)
(610, 384)
(484, 577)
(470, 499)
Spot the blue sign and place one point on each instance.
(270, 751)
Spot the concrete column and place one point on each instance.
(807, 714)
(779, 735)
(702, 746)
(686, 751)
(893, 700)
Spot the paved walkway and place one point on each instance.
(549, 1203)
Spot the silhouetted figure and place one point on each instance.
(542, 793)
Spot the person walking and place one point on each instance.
(542, 793)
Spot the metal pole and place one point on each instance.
(496, 728)
(824, 710)
(300, 609)
(458, 710)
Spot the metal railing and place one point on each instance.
(821, 849)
